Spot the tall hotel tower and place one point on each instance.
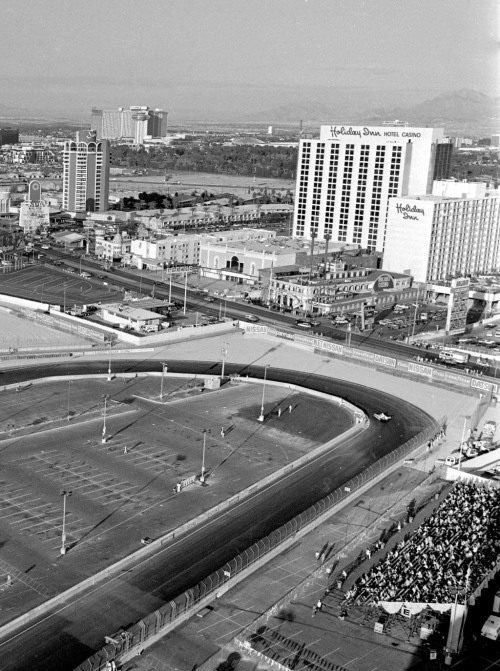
(86, 173)
(345, 179)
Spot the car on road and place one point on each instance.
(209, 299)
(382, 417)
(315, 322)
(490, 326)
(252, 318)
(303, 324)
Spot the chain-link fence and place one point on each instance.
(126, 643)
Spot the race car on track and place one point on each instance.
(382, 417)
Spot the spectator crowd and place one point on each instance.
(454, 549)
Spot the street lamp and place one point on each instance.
(163, 371)
(466, 417)
(185, 292)
(348, 335)
(105, 398)
(224, 353)
(202, 476)
(261, 416)
(110, 377)
(64, 494)
(69, 395)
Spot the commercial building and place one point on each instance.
(346, 178)
(167, 250)
(453, 232)
(85, 173)
(133, 124)
(338, 291)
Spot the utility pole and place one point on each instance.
(163, 371)
(261, 417)
(65, 495)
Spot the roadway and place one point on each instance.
(63, 639)
(149, 283)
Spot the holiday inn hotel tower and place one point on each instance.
(346, 178)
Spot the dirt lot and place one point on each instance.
(187, 182)
(17, 332)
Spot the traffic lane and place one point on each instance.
(83, 624)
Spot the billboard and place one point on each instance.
(456, 316)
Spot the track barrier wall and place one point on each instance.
(421, 371)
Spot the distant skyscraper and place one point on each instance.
(86, 173)
(346, 178)
(135, 123)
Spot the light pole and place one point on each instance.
(110, 377)
(163, 371)
(65, 495)
(466, 417)
(415, 315)
(224, 353)
(69, 395)
(105, 398)
(170, 288)
(348, 335)
(202, 476)
(260, 418)
(185, 292)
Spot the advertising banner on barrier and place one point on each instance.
(331, 347)
(484, 386)
(431, 372)
(455, 378)
(362, 354)
(385, 360)
(418, 368)
(254, 328)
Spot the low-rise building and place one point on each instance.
(339, 290)
(134, 316)
(113, 247)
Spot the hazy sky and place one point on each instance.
(190, 53)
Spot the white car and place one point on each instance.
(382, 417)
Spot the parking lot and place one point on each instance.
(124, 489)
(55, 286)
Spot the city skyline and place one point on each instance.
(228, 57)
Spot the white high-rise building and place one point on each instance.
(437, 237)
(346, 178)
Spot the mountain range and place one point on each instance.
(456, 110)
